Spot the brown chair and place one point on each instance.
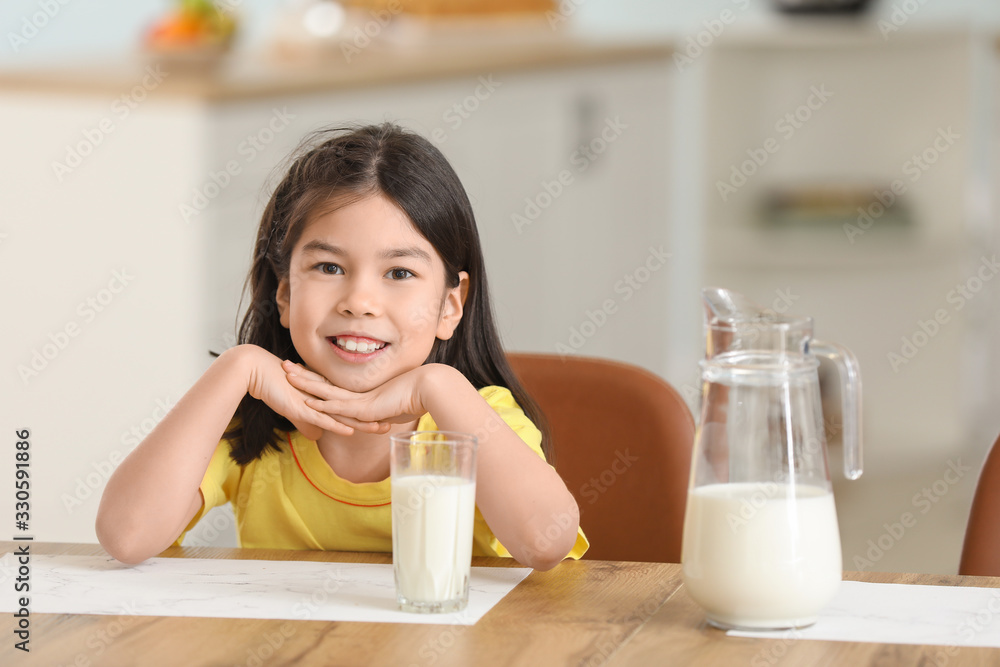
(622, 439)
(981, 551)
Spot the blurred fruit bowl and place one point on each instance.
(193, 32)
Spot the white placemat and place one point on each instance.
(299, 590)
(904, 614)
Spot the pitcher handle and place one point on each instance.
(850, 392)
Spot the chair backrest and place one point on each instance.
(981, 551)
(622, 439)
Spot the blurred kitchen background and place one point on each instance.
(620, 155)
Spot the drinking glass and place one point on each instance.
(433, 477)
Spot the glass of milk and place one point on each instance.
(433, 477)
(761, 546)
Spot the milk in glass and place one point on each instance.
(432, 520)
(761, 555)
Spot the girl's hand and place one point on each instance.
(395, 402)
(268, 382)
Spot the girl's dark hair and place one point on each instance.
(338, 165)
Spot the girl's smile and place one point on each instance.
(366, 297)
(357, 348)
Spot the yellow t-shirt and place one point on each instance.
(292, 499)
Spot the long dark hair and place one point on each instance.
(339, 165)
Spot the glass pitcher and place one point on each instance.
(761, 545)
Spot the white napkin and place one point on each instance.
(904, 614)
(209, 587)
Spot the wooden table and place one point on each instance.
(580, 613)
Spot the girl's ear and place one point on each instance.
(453, 307)
(281, 297)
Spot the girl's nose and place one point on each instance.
(359, 299)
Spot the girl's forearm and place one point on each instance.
(523, 499)
(153, 493)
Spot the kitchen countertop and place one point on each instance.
(248, 76)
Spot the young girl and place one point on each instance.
(369, 315)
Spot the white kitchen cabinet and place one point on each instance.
(916, 109)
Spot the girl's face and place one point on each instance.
(365, 296)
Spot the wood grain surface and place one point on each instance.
(583, 613)
(578, 613)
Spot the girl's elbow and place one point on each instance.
(127, 557)
(548, 547)
(120, 545)
(549, 554)
(546, 564)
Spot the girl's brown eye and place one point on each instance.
(400, 274)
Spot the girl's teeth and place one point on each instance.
(358, 346)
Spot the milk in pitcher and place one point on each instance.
(761, 555)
